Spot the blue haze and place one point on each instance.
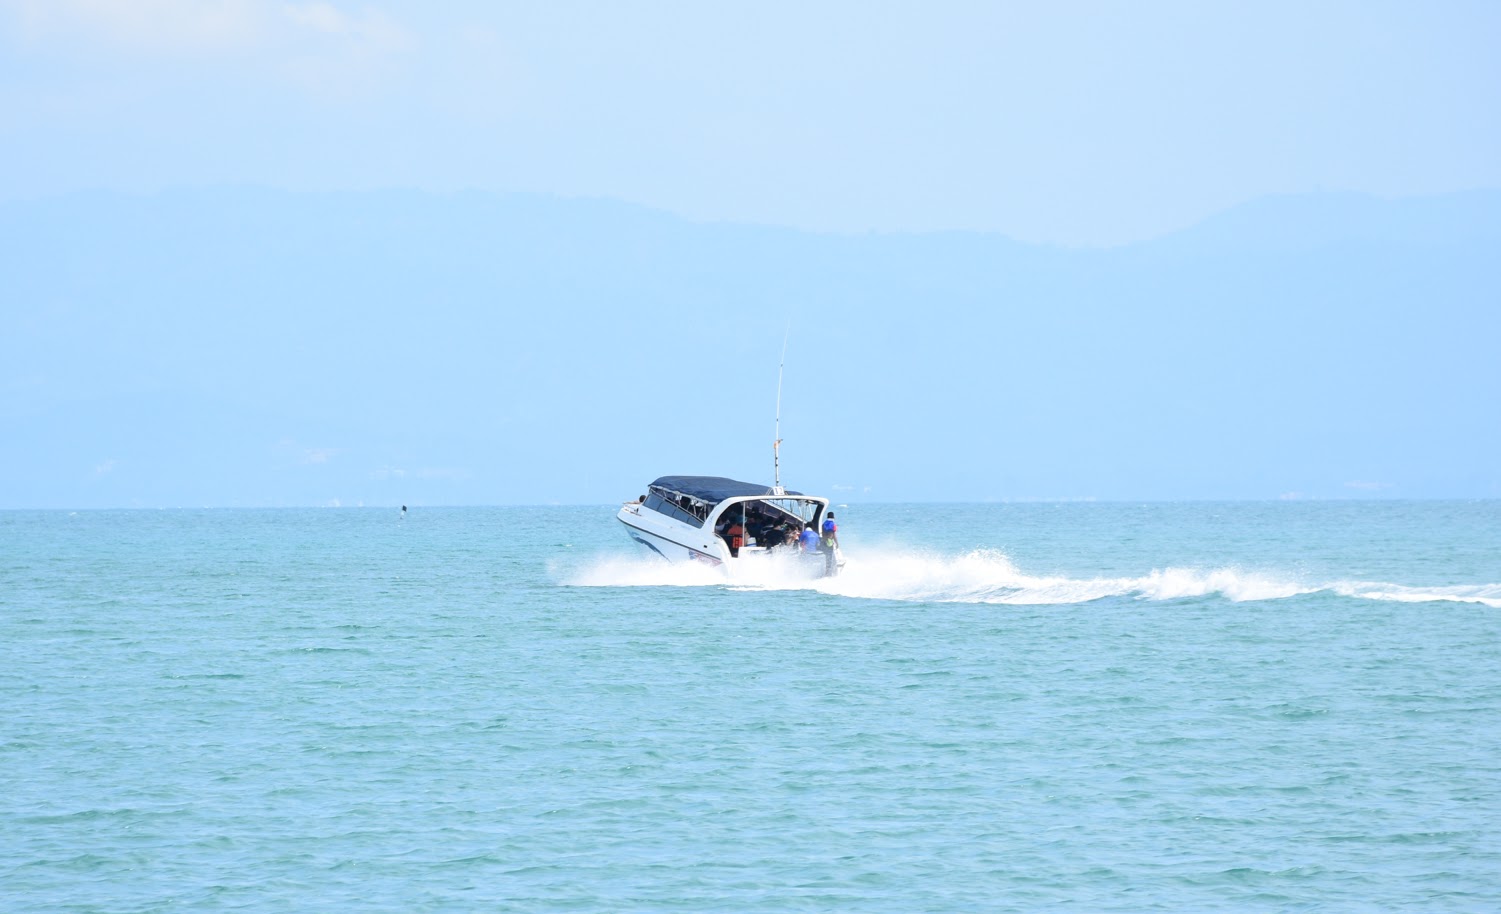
(255, 347)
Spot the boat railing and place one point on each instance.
(802, 510)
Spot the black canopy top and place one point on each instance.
(714, 489)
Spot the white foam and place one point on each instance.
(989, 576)
(981, 576)
(1233, 584)
(634, 571)
(1486, 594)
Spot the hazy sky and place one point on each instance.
(166, 348)
(1081, 123)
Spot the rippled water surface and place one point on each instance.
(1002, 707)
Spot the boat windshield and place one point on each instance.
(685, 508)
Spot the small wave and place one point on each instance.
(1486, 594)
(986, 576)
(989, 576)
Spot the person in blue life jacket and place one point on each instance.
(808, 539)
(829, 544)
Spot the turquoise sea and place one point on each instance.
(1074, 707)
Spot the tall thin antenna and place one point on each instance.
(776, 442)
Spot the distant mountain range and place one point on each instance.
(254, 347)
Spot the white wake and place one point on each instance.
(988, 576)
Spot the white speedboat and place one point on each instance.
(728, 523)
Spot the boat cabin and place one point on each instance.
(767, 517)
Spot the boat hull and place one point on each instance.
(665, 539)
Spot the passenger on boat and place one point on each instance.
(830, 543)
(772, 535)
(736, 536)
(809, 540)
(760, 528)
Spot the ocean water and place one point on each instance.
(1081, 707)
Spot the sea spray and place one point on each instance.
(989, 576)
(637, 571)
